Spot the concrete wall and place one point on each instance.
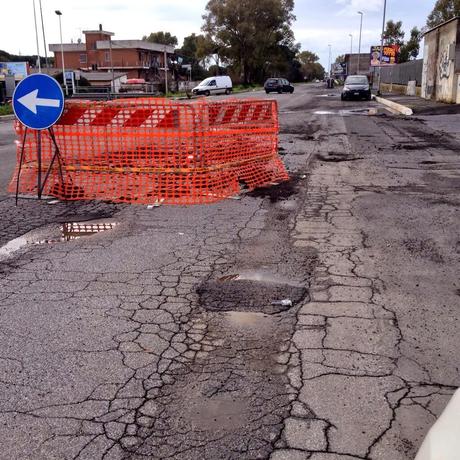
(441, 64)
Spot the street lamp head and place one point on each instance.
(360, 12)
(58, 12)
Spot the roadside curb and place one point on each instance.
(395, 106)
(6, 117)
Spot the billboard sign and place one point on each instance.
(389, 57)
(18, 70)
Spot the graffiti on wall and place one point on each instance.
(444, 63)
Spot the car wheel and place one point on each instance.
(267, 92)
(280, 91)
(369, 98)
(207, 93)
(227, 91)
(291, 90)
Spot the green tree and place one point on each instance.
(443, 11)
(249, 35)
(164, 38)
(411, 48)
(340, 58)
(393, 35)
(310, 67)
(307, 57)
(190, 55)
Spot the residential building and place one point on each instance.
(136, 58)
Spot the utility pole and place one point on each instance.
(166, 72)
(381, 46)
(36, 38)
(360, 33)
(43, 31)
(351, 44)
(329, 62)
(111, 64)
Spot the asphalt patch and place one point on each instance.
(248, 295)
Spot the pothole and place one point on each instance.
(336, 157)
(250, 291)
(277, 192)
(49, 234)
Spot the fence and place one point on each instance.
(147, 150)
(401, 74)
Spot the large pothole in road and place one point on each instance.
(250, 294)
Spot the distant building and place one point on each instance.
(136, 58)
(351, 64)
(441, 62)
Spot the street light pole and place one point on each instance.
(111, 64)
(381, 46)
(351, 44)
(329, 63)
(166, 71)
(58, 12)
(360, 32)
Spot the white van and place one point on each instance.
(221, 84)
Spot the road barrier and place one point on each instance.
(148, 150)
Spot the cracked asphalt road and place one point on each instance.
(125, 345)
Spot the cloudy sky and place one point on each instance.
(319, 22)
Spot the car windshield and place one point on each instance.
(356, 80)
(272, 80)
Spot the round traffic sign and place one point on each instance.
(38, 101)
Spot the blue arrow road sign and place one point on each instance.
(38, 101)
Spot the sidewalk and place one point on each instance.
(422, 106)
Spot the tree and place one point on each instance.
(164, 38)
(411, 48)
(189, 54)
(443, 11)
(339, 59)
(307, 57)
(249, 35)
(311, 69)
(393, 35)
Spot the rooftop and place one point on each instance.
(98, 32)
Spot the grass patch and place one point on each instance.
(6, 109)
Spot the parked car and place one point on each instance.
(356, 86)
(221, 84)
(278, 85)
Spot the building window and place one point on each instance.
(107, 56)
(83, 59)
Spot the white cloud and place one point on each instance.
(351, 7)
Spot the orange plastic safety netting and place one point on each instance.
(149, 150)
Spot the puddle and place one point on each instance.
(244, 318)
(263, 276)
(49, 234)
(367, 111)
(75, 230)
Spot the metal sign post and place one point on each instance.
(38, 102)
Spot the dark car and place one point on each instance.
(356, 86)
(278, 85)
